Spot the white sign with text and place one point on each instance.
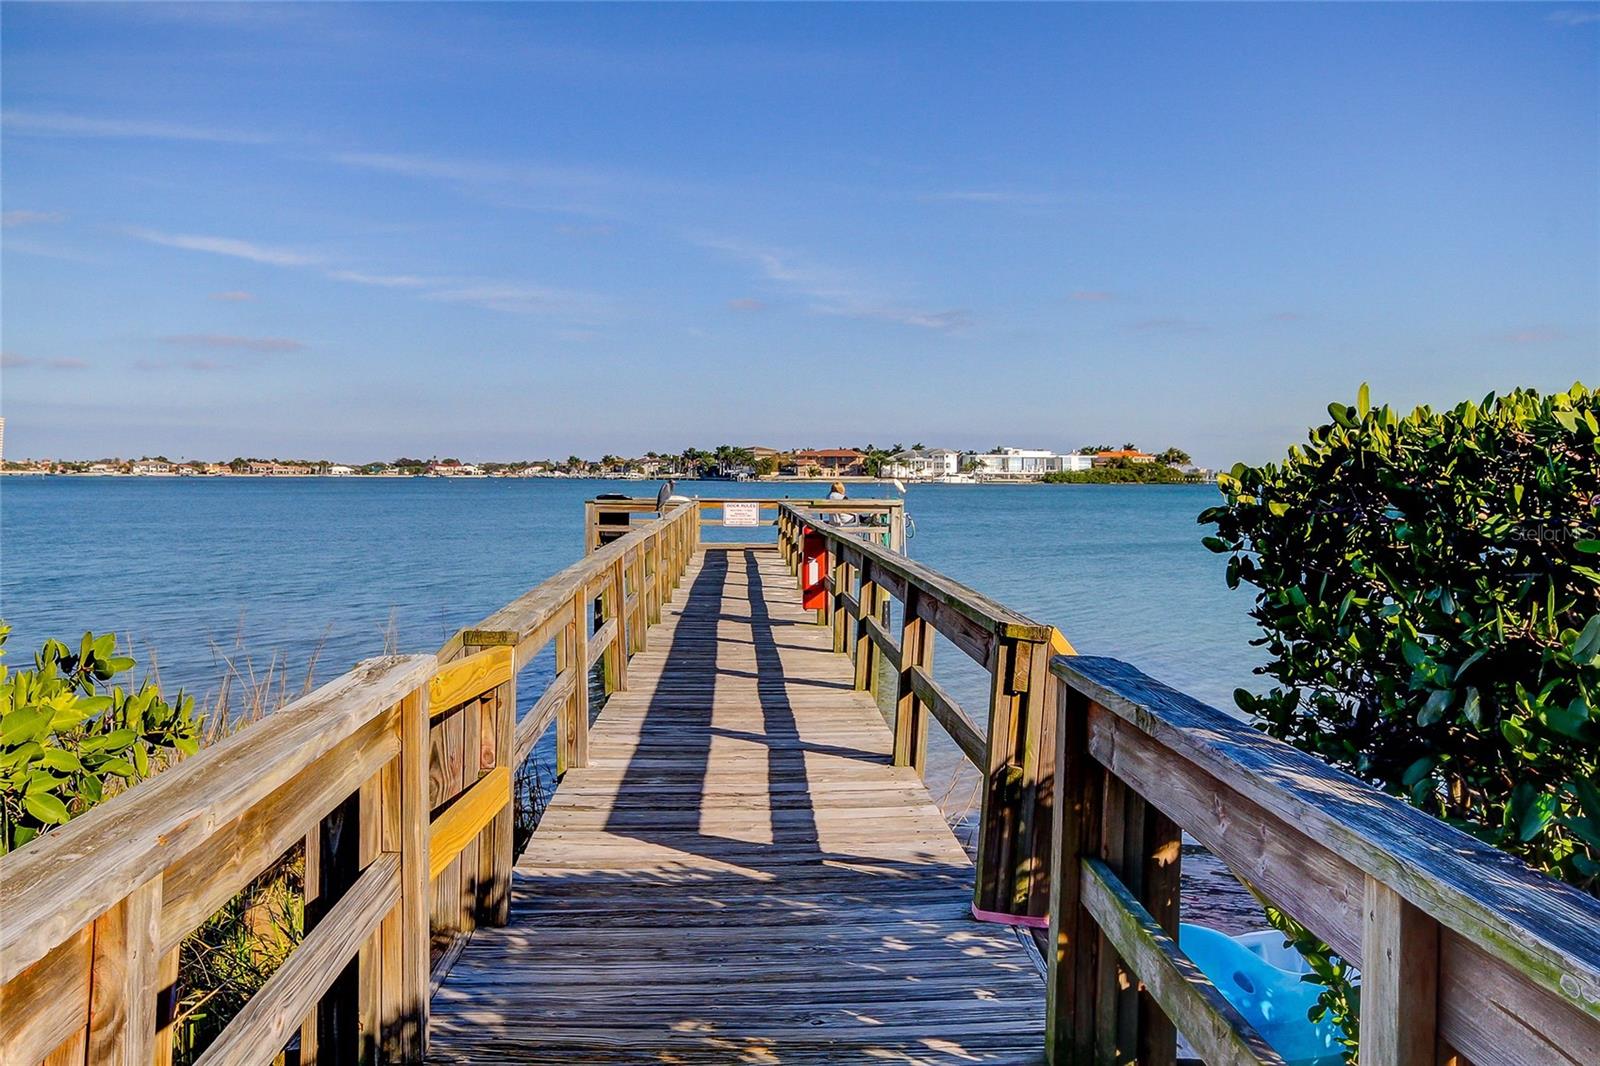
(741, 513)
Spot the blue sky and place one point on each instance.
(508, 231)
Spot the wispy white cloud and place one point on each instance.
(835, 292)
(1093, 296)
(238, 249)
(15, 245)
(520, 185)
(237, 296)
(471, 171)
(523, 299)
(52, 123)
(13, 361)
(202, 365)
(944, 321)
(747, 303)
(230, 341)
(10, 219)
(385, 281)
(1573, 18)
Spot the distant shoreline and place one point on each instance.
(847, 480)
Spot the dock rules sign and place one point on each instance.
(741, 513)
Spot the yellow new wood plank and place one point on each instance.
(464, 679)
(466, 817)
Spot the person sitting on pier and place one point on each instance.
(836, 492)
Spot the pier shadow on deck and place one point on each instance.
(740, 874)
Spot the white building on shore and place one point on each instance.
(923, 464)
(1022, 463)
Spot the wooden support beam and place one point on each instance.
(839, 613)
(460, 824)
(910, 715)
(468, 678)
(123, 980)
(1074, 938)
(258, 1032)
(572, 728)
(1399, 981)
(616, 616)
(496, 857)
(866, 652)
(407, 789)
(1218, 1032)
(1019, 784)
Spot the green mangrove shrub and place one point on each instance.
(1429, 594)
(67, 742)
(1428, 589)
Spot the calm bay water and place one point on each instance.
(185, 568)
(189, 571)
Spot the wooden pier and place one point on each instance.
(740, 873)
(740, 863)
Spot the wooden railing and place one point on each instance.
(1013, 749)
(607, 519)
(396, 778)
(1467, 956)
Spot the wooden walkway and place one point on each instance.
(739, 875)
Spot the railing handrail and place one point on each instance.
(522, 622)
(69, 877)
(993, 616)
(1544, 928)
(854, 503)
(396, 778)
(1462, 948)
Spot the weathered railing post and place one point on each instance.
(836, 603)
(1399, 980)
(866, 651)
(615, 657)
(1143, 848)
(122, 981)
(403, 985)
(495, 855)
(1019, 781)
(656, 587)
(910, 716)
(1074, 941)
(572, 724)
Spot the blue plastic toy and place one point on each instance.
(1271, 997)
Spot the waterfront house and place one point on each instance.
(1113, 456)
(923, 464)
(268, 468)
(1022, 463)
(827, 462)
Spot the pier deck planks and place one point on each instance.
(740, 874)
